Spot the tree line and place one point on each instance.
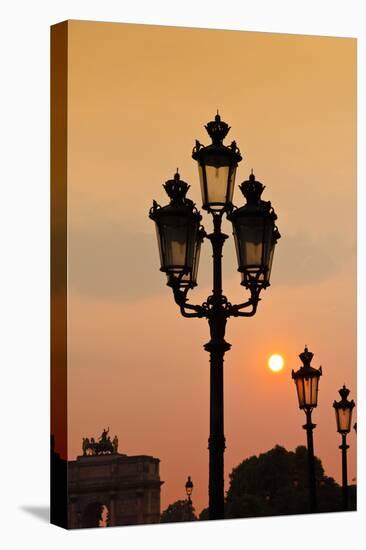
(271, 484)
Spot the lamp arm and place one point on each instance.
(180, 298)
(235, 310)
(199, 311)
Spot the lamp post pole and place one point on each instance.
(217, 346)
(309, 427)
(344, 448)
(180, 237)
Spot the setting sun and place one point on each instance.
(276, 362)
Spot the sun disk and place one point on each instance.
(276, 362)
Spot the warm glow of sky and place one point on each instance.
(138, 98)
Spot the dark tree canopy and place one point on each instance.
(275, 483)
(181, 510)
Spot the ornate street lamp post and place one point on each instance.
(180, 236)
(343, 411)
(307, 381)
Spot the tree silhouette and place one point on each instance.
(181, 510)
(276, 482)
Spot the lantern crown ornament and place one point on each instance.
(217, 129)
(176, 188)
(307, 381)
(343, 411)
(252, 189)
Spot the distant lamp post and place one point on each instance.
(180, 236)
(189, 488)
(307, 382)
(343, 411)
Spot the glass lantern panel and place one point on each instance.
(343, 417)
(217, 186)
(314, 391)
(310, 391)
(176, 248)
(270, 260)
(250, 242)
(201, 173)
(191, 277)
(161, 255)
(307, 391)
(176, 242)
(196, 262)
(300, 391)
(231, 183)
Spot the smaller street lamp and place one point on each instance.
(189, 490)
(343, 411)
(307, 382)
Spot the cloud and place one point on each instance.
(111, 261)
(302, 260)
(114, 261)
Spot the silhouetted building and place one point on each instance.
(114, 489)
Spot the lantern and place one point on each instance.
(255, 235)
(343, 411)
(217, 165)
(307, 381)
(177, 228)
(189, 487)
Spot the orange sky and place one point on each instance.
(138, 97)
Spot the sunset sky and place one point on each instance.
(138, 97)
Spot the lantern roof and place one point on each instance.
(306, 370)
(252, 191)
(189, 483)
(176, 190)
(344, 403)
(217, 129)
